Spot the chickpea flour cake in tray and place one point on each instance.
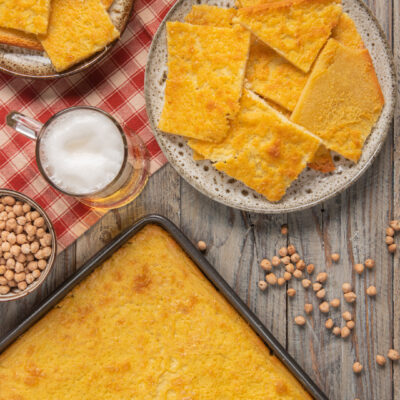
(270, 105)
(147, 318)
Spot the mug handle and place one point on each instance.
(23, 124)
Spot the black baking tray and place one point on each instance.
(207, 269)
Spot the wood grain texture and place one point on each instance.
(352, 224)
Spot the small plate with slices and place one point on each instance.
(23, 54)
(217, 170)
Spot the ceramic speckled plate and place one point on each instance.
(35, 64)
(311, 187)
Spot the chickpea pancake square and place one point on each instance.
(206, 68)
(342, 99)
(263, 149)
(295, 29)
(204, 14)
(77, 30)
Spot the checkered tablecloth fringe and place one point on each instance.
(114, 85)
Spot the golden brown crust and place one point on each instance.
(146, 324)
(322, 160)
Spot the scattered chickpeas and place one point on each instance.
(380, 360)
(357, 367)
(308, 308)
(345, 332)
(306, 283)
(275, 261)
(291, 249)
(321, 293)
(291, 292)
(335, 303)
(324, 307)
(300, 320)
(281, 281)
(297, 274)
(322, 277)
(389, 240)
(350, 324)
(392, 248)
(290, 268)
(301, 265)
(329, 323)
(287, 276)
(371, 291)
(24, 237)
(262, 285)
(284, 229)
(395, 225)
(283, 252)
(266, 265)
(316, 286)
(201, 245)
(346, 287)
(295, 258)
(335, 257)
(285, 260)
(310, 268)
(347, 316)
(359, 268)
(370, 263)
(336, 331)
(271, 279)
(389, 231)
(393, 355)
(350, 297)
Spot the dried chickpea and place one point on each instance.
(21, 220)
(335, 257)
(284, 229)
(3, 281)
(4, 289)
(395, 225)
(8, 200)
(40, 233)
(287, 276)
(336, 331)
(350, 324)
(322, 277)
(297, 274)
(347, 316)
(380, 360)
(262, 285)
(393, 355)
(300, 320)
(291, 249)
(11, 224)
(9, 275)
(290, 268)
(370, 263)
(291, 292)
(335, 303)
(389, 231)
(21, 258)
(8, 209)
(19, 267)
(321, 293)
(310, 268)
(2, 225)
(359, 268)
(350, 297)
(306, 283)
(5, 246)
(389, 240)
(18, 229)
(285, 260)
(32, 265)
(281, 281)
(15, 250)
(329, 323)
(36, 273)
(283, 252)
(31, 238)
(46, 252)
(29, 278)
(264, 264)
(25, 248)
(18, 210)
(3, 216)
(21, 238)
(35, 247)
(270, 278)
(357, 367)
(301, 265)
(10, 263)
(11, 238)
(26, 207)
(30, 229)
(346, 287)
(316, 286)
(12, 284)
(392, 248)
(22, 285)
(295, 258)
(308, 308)
(275, 261)
(39, 222)
(19, 277)
(371, 291)
(324, 307)
(345, 332)
(2, 269)
(29, 257)
(7, 255)
(34, 215)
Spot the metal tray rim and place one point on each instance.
(205, 267)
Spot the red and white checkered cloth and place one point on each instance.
(114, 85)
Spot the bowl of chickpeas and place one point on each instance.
(28, 245)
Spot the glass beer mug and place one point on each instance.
(84, 152)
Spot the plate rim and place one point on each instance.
(84, 64)
(182, 172)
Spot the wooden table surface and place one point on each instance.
(352, 224)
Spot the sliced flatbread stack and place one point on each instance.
(77, 29)
(342, 99)
(263, 148)
(13, 37)
(295, 29)
(206, 67)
